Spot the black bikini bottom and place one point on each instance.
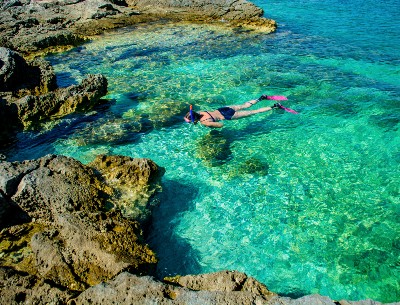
(227, 112)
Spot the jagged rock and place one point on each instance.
(52, 185)
(75, 239)
(220, 288)
(31, 95)
(226, 9)
(19, 77)
(237, 12)
(12, 68)
(131, 289)
(31, 26)
(21, 288)
(222, 281)
(32, 109)
(136, 180)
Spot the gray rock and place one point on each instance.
(222, 281)
(12, 67)
(226, 9)
(131, 289)
(31, 26)
(19, 77)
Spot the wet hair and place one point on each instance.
(196, 116)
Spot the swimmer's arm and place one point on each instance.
(212, 124)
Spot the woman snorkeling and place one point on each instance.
(212, 118)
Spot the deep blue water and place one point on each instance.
(305, 203)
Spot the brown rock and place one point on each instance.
(22, 288)
(33, 109)
(135, 182)
(73, 239)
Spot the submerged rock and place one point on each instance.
(214, 149)
(251, 166)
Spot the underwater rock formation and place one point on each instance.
(214, 148)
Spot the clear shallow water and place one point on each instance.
(307, 203)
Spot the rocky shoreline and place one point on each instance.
(65, 237)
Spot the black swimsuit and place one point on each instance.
(226, 112)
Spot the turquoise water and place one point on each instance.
(305, 203)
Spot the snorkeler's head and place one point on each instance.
(192, 116)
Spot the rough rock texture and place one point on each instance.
(29, 25)
(220, 288)
(29, 93)
(19, 77)
(61, 229)
(235, 12)
(135, 182)
(130, 289)
(12, 66)
(222, 281)
(33, 109)
(22, 288)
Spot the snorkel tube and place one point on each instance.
(191, 113)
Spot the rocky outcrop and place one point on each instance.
(214, 289)
(220, 288)
(29, 93)
(29, 26)
(59, 224)
(234, 12)
(12, 66)
(22, 288)
(19, 77)
(33, 109)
